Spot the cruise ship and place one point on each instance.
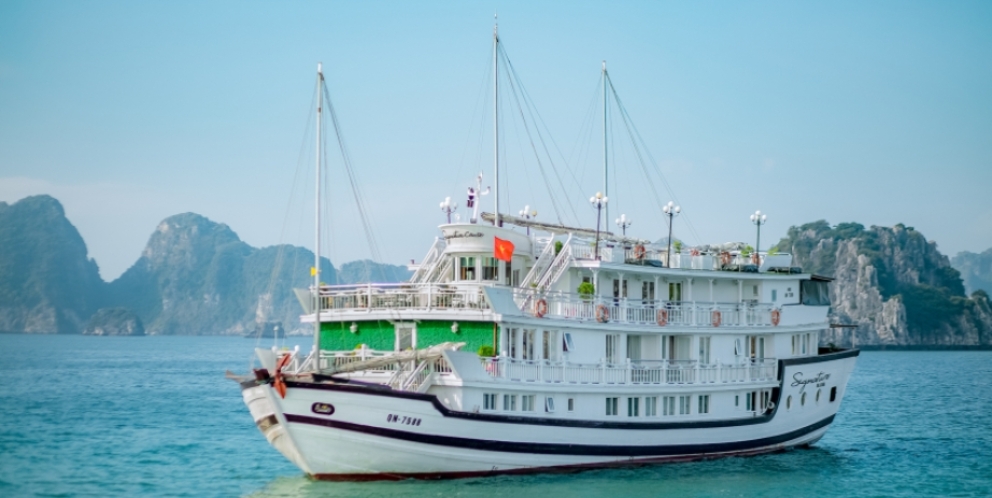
(523, 346)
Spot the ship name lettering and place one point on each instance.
(819, 380)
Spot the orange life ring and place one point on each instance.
(602, 313)
(755, 258)
(776, 317)
(662, 317)
(725, 258)
(278, 382)
(716, 318)
(639, 252)
(540, 308)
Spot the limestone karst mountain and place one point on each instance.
(195, 276)
(892, 283)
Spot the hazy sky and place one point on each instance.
(129, 112)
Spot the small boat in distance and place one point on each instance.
(520, 346)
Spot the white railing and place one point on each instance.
(558, 267)
(431, 260)
(653, 372)
(568, 306)
(368, 297)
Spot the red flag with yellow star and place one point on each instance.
(502, 249)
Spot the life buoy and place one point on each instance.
(540, 308)
(639, 252)
(776, 317)
(602, 313)
(724, 258)
(716, 318)
(662, 317)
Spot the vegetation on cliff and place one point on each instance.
(911, 277)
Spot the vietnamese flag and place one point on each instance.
(503, 249)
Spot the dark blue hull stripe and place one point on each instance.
(561, 449)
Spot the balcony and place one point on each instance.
(403, 296)
(565, 306)
(639, 372)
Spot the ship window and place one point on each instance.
(647, 292)
(489, 401)
(788, 402)
(548, 345)
(466, 268)
(684, 405)
(774, 295)
(528, 345)
(612, 344)
(510, 402)
(611, 406)
(516, 278)
(668, 405)
(633, 407)
(737, 400)
(527, 403)
(512, 337)
(737, 347)
(651, 406)
(833, 394)
(704, 403)
(704, 350)
(549, 404)
(490, 268)
(509, 272)
(818, 395)
(567, 344)
(571, 404)
(755, 290)
(405, 337)
(802, 400)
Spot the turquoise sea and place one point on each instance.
(154, 416)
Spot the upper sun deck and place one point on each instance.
(631, 279)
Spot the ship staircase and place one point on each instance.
(546, 272)
(434, 266)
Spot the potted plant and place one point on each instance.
(586, 290)
(558, 246)
(486, 351)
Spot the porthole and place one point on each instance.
(818, 395)
(802, 400)
(833, 394)
(788, 403)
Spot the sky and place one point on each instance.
(130, 112)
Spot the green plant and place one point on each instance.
(586, 289)
(773, 251)
(487, 351)
(558, 246)
(747, 251)
(677, 245)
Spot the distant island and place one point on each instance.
(194, 277)
(892, 287)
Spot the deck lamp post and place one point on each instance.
(448, 207)
(671, 210)
(623, 222)
(758, 219)
(527, 214)
(598, 202)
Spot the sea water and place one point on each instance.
(154, 416)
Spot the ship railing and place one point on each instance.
(368, 297)
(577, 307)
(630, 372)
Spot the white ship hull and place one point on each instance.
(377, 433)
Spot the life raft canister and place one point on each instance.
(541, 308)
(716, 318)
(776, 317)
(602, 313)
(662, 317)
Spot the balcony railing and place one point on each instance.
(567, 306)
(632, 373)
(366, 297)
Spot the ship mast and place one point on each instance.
(496, 220)
(606, 176)
(316, 243)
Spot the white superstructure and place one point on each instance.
(576, 348)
